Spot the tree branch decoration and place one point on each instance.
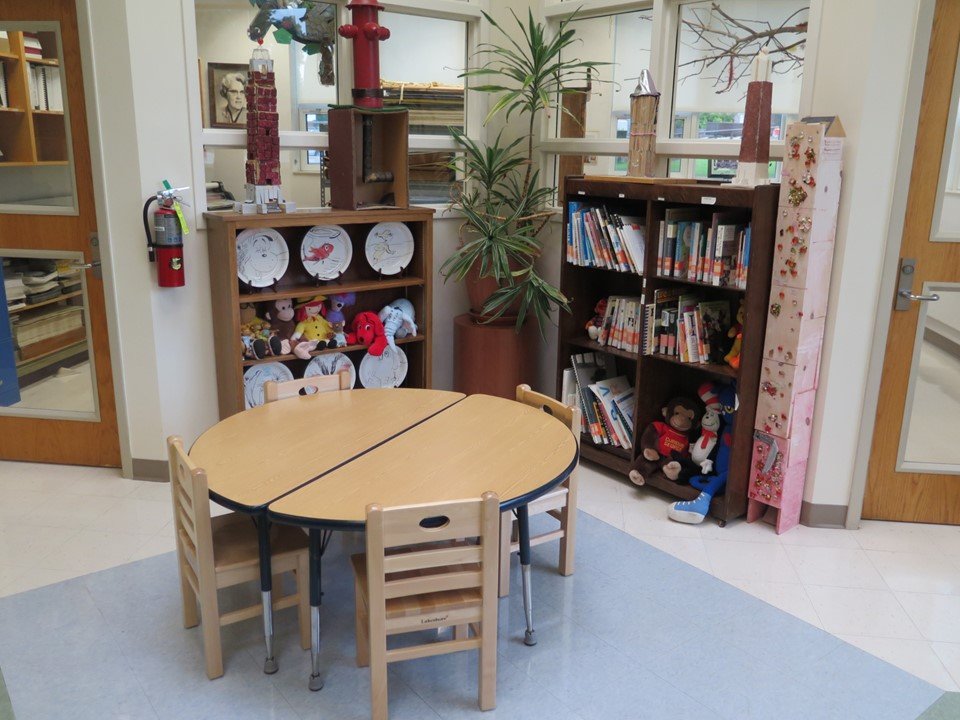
(729, 45)
(312, 24)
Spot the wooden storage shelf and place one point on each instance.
(334, 287)
(658, 377)
(329, 351)
(51, 301)
(29, 137)
(373, 291)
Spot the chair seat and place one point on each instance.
(420, 604)
(235, 541)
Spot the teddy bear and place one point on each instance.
(257, 338)
(279, 314)
(666, 445)
(368, 330)
(312, 330)
(336, 304)
(398, 320)
(595, 324)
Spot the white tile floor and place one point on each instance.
(891, 589)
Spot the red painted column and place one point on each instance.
(366, 34)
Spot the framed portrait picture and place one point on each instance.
(722, 168)
(227, 99)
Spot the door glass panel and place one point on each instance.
(46, 360)
(36, 164)
(946, 225)
(933, 401)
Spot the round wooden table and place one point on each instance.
(318, 461)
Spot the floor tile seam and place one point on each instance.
(900, 604)
(718, 708)
(709, 569)
(394, 678)
(955, 677)
(43, 556)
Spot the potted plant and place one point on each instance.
(504, 207)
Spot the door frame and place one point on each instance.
(891, 258)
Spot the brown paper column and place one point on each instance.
(643, 127)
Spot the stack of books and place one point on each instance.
(31, 46)
(603, 239)
(15, 291)
(606, 404)
(622, 323)
(714, 250)
(45, 90)
(47, 330)
(41, 285)
(68, 276)
(687, 328)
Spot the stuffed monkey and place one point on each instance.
(664, 445)
(280, 314)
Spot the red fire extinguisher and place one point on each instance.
(165, 245)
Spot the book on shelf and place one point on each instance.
(597, 237)
(686, 327)
(621, 323)
(31, 46)
(589, 368)
(4, 92)
(45, 90)
(619, 430)
(713, 250)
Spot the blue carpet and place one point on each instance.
(635, 634)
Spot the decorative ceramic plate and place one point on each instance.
(387, 370)
(257, 375)
(331, 364)
(262, 256)
(389, 247)
(326, 251)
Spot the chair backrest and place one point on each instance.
(423, 532)
(273, 390)
(569, 416)
(191, 515)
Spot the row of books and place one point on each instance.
(4, 92)
(622, 323)
(31, 282)
(683, 326)
(606, 403)
(713, 250)
(603, 239)
(31, 46)
(45, 90)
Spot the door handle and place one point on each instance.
(96, 264)
(932, 297)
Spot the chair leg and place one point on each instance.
(210, 625)
(191, 616)
(303, 598)
(568, 522)
(361, 628)
(461, 632)
(378, 677)
(488, 666)
(506, 536)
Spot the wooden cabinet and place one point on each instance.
(657, 377)
(31, 135)
(373, 291)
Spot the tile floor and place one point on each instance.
(891, 590)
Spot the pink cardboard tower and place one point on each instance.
(263, 190)
(752, 165)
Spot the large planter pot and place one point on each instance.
(479, 289)
(493, 359)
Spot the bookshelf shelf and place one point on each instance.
(656, 378)
(51, 301)
(52, 62)
(11, 110)
(304, 291)
(328, 351)
(715, 369)
(9, 56)
(48, 112)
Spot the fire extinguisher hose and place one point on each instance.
(146, 227)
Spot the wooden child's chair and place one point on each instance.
(419, 574)
(273, 390)
(560, 503)
(222, 551)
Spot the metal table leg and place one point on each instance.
(318, 543)
(266, 591)
(523, 523)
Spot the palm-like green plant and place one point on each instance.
(504, 205)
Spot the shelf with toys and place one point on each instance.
(688, 328)
(305, 293)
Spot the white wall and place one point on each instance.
(163, 345)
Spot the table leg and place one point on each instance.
(316, 553)
(266, 591)
(523, 523)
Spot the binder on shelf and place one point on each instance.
(4, 93)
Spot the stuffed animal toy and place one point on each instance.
(280, 315)
(257, 338)
(398, 320)
(368, 331)
(704, 449)
(595, 324)
(664, 445)
(339, 338)
(336, 304)
(732, 358)
(312, 330)
(714, 481)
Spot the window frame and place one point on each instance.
(201, 138)
(663, 53)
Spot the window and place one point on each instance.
(716, 46)
(422, 76)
